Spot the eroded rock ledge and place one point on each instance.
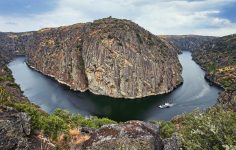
(109, 56)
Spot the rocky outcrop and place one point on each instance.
(188, 42)
(109, 56)
(14, 129)
(129, 135)
(15, 132)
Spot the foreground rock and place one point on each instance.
(14, 129)
(129, 135)
(110, 57)
(15, 132)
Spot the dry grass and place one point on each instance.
(77, 137)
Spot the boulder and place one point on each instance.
(14, 129)
(129, 135)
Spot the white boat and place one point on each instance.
(166, 105)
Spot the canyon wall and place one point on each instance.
(12, 44)
(218, 58)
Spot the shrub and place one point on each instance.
(98, 122)
(5, 97)
(59, 121)
(54, 126)
(37, 116)
(211, 67)
(167, 128)
(213, 129)
(92, 122)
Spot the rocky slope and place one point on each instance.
(218, 58)
(109, 56)
(188, 42)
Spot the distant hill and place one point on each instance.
(188, 42)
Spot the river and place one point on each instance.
(194, 93)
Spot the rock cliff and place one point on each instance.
(109, 56)
(57, 53)
(188, 42)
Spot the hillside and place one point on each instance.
(218, 58)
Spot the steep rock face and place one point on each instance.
(188, 42)
(57, 53)
(123, 60)
(109, 57)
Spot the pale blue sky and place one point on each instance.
(206, 17)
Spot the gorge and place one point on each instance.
(114, 68)
(49, 95)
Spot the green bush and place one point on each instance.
(5, 97)
(54, 126)
(211, 67)
(63, 114)
(59, 121)
(37, 116)
(213, 129)
(167, 128)
(51, 125)
(75, 120)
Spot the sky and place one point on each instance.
(161, 17)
